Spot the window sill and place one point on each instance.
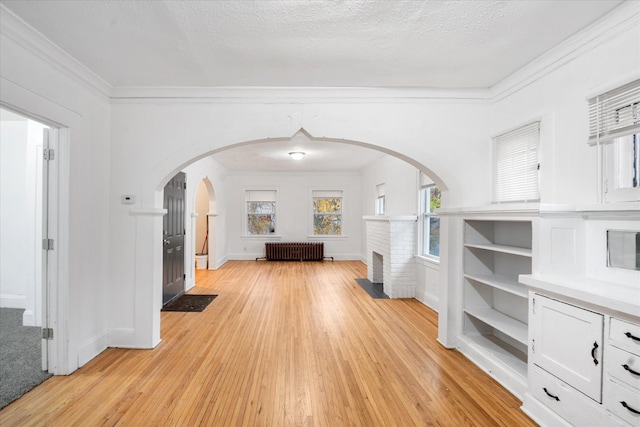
(261, 236)
(327, 237)
(426, 260)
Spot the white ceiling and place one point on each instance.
(294, 43)
(320, 155)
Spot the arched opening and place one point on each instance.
(205, 225)
(199, 152)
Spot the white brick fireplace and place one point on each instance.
(391, 244)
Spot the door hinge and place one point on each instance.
(533, 306)
(49, 154)
(47, 333)
(185, 185)
(533, 346)
(47, 244)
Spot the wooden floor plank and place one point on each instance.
(282, 344)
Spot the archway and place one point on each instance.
(205, 224)
(148, 237)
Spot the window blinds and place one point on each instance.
(516, 164)
(615, 113)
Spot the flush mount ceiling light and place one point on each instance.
(297, 155)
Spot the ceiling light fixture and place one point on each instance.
(297, 155)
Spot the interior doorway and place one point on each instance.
(24, 247)
(173, 238)
(205, 224)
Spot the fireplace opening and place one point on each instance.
(377, 275)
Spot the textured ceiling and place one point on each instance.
(355, 43)
(285, 43)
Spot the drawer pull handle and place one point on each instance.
(627, 368)
(558, 399)
(629, 408)
(593, 353)
(630, 335)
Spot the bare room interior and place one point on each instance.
(400, 212)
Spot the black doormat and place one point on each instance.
(189, 303)
(374, 290)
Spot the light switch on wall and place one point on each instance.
(128, 199)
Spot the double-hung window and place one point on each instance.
(614, 126)
(429, 202)
(380, 199)
(261, 212)
(327, 213)
(515, 164)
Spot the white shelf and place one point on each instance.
(500, 282)
(505, 324)
(508, 355)
(513, 250)
(495, 303)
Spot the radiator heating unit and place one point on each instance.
(294, 251)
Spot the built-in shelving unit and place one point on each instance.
(495, 304)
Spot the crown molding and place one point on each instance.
(35, 42)
(625, 16)
(620, 19)
(308, 94)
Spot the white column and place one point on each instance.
(148, 278)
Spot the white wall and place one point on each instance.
(556, 91)
(33, 81)
(569, 168)
(294, 211)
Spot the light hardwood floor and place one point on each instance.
(282, 344)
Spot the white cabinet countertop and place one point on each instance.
(624, 299)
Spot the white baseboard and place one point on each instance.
(430, 301)
(121, 337)
(336, 257)
(29, 318)
(514, 383)
(220, 262)
(13, 301)
(91, 347)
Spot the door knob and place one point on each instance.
(166, 242)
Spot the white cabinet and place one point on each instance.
(495, 305)
(622, 366)
(584, 360)
(566, 341)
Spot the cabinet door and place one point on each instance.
(567, 342)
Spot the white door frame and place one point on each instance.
(55, 271)
(61, 120)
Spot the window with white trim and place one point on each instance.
(429, 202)
(261, 212)
(380, 199)
(614, 126)
(327, 213)
(516, 165)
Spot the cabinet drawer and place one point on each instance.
(624, 366)
(625, 335)
(564, 400)
(567, 341)
(623, 402)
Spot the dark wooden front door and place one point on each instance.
(173, 239)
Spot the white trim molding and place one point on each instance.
(32, 40)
